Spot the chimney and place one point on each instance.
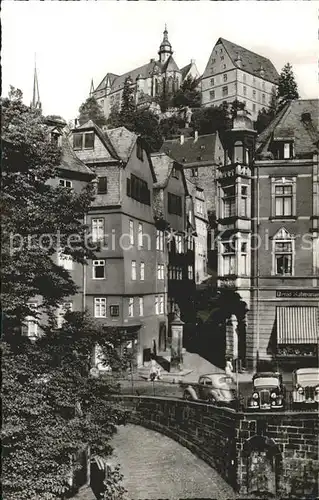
(192, 61)
(196, 136)
(182, 139)
(76, 123)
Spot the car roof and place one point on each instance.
(299, 371)
(216, 374)
(267, 374)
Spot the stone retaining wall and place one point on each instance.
(275, 453)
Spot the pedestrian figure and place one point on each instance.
(153, 370)
(229, 370)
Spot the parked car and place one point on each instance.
(268, 392)
(215, 388)
(305, 390)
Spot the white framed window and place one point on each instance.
(160, 271)
(97, 229)
(140, 235)
(131, 307)
(142, 271)
(190, 272)
(243, 258)
(65, 261)
(159, 240)
(131, 230)
(32, 324)
(156, 304)
(283, 195)
(229, 201)
(98, 269)
(243, 201)
(133, 270)
(228, 258)
(179, 243)
(62, 310)
(65, 183)
(141, 306)
(100, 307)
(283, 253)
(161, 304)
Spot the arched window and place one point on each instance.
(283, 253)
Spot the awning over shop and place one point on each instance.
(297, 325)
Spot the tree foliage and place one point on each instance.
(52, 408)
(37, 217)
(210, 119)
(287, 86)
(91, 110)
(265, 116)
(138, 120)
(188, 94)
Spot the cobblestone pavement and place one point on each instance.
(155, 466)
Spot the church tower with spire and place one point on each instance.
(165, 50)
(36, 103)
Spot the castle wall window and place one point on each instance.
(98, 269)
(225, 91)
(283, 253)
(212, 81)
(254, 94)
(212, 95)
(245, 90)
(228, 258)
(102, 185)
(194, 172)
(174, 204)
(100, 307)
(225, 77)
(263, 98)
(254, 107)
(229, 202)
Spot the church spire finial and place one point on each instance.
(36, 103)
(165, 49)
(91, 88)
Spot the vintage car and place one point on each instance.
(268, 392)
(305, 389)
(215, 388)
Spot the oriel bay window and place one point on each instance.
(283, 253)
(243, 259)
(228, 258)
(243, 201)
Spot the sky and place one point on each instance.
(77, 41)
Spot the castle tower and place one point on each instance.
(165, 50)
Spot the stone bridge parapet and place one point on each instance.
(271, 453)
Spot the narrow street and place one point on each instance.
(155, 466)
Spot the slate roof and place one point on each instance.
(299, 120)
(250, 61)
(191, 151)
(89, 125)
(69, 160)
(117, 82)
(123, 141)
(185, 70)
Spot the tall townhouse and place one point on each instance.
(73, 174)
(286, 171)
(268, 212)
(200, 156)
(173, 211)
(124, 284)
(233, 72)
